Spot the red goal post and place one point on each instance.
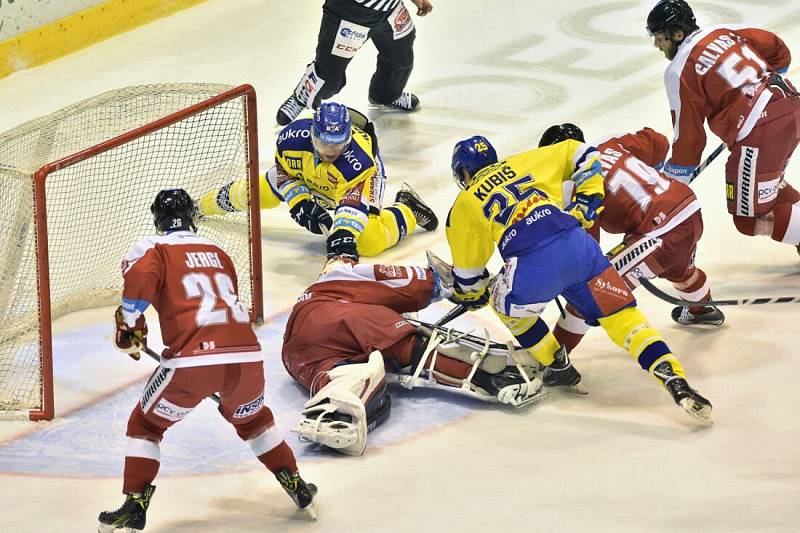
(79, 183)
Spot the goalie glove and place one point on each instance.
(311, 216)
(472, 296)
(130, 339)
(585, 208)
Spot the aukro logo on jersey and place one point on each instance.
(250, 408)
(351, 158)
(294, 134)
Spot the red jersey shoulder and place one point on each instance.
(201, 252)
(646, 144)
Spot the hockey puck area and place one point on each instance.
(88, 440)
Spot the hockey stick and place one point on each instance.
(452, 314)
(157, 357)
(658, 293)
(710, 159)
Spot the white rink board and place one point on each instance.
(623, 458)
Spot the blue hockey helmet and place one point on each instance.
(332, 124)
(469, 156)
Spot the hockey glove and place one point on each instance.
(130, 339)
(342, 245)
(311, 216)
(475, 295)
(585, 208)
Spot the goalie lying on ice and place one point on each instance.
(346, 331)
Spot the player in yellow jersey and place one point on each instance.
(515, 206)
(329, 163)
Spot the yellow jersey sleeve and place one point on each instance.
(470, 236)
(584, 168)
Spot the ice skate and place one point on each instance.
(424, 215)
(405, 102)
(289, 110)
(711, 316)
(561, 373)
(685, 396)
(131, 517)
(299, 491)
(511, 388)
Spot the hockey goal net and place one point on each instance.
(77, 186)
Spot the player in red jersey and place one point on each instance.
(659, 216)
(733, 77)
(211, 348)
(346, 331)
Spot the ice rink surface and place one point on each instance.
(624, 458)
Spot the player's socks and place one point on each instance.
(132, 515)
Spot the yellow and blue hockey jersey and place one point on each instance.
(515, 204)
(353, 185)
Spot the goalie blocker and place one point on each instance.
(359, 333)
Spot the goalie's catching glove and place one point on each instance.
(311, 216)
(130, 339)
(585, 208)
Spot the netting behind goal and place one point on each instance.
(77, 186)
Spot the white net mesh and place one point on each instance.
(98, 207)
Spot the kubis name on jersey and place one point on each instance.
(489, 183)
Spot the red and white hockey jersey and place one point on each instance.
(719, 73)
(192, 284)
(639, 199)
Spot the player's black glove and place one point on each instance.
(130, 339)
(342, 244)
(311, 216)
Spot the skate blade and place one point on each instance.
(572, 389)
(532, 400)
(698, 411)
(105, 528)
(310, 511)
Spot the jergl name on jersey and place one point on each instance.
(203, 259)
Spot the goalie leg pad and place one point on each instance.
(488, 378)
(339, 415)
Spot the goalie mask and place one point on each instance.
(470, 156)
(559, 133)
(173, 210)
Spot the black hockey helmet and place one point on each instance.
(561, 132)
(174, 209)
(671, 15)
